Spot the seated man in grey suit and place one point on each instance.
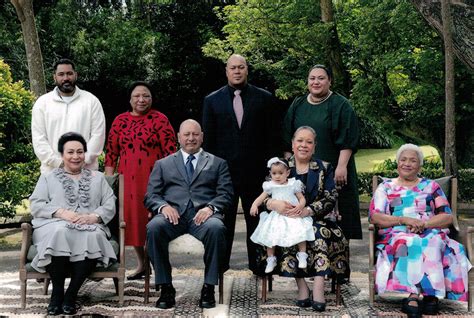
(188, 192)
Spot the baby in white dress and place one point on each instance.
(275, 229)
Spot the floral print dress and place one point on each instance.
(429, 263)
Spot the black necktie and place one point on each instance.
(189, 167)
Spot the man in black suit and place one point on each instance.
(242, 125)
(188, 192)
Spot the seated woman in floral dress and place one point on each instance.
(414, 253)
(328, 254)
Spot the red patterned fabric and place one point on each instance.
(138, 141)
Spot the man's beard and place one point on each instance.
(67, 87)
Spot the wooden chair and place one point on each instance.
(115, 271)
(449, 185)
(185, 240)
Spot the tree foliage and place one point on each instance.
(394, 58)
(18, 166)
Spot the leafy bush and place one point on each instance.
(17, 182)
(373, 135)
(432, 168)
(466, 185)
(18, 167)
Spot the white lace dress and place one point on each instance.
(275, 229)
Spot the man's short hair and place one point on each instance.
(63, 61)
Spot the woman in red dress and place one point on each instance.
(138, 138)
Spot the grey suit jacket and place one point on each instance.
(211, 184)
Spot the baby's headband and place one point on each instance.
(275, 160)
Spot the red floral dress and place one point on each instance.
(138, 141)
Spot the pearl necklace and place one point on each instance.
(319, 101)
(303, 171)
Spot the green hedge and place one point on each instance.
(465, 181)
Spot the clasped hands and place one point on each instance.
(76, 218)
(414, 225)
(172, 215)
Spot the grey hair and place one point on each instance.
(311, 130)
(413, 147)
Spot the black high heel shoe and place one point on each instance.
(305, 303)
(136, 276)
(317, 306)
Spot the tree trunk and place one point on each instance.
(24, 11)
(462, 25)
(450, 128)
(333, 46)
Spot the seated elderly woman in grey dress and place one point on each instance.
(71, 207)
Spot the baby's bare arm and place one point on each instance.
(301, 200)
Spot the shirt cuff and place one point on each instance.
(161, 208)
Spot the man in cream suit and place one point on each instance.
(188, 192)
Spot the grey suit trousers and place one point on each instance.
(211, 233)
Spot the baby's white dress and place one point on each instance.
(275, 229)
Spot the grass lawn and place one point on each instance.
(366, 159)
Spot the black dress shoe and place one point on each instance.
(167, 297)
(136, 276)
(54, 310)
(317, 306)
(69, 310)
(207, 299)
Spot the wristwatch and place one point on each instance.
(99, 219)
(213, 208)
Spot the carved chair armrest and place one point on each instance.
(470, 236)
(372, 230)
(26, 231)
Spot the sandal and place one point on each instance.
(410, 310)
(430, 305)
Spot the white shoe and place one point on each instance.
(302, 257)
(271, 264)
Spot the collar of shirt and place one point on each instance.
(196, 157)
(233, 89)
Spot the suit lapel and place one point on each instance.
(179, 162)
(202, 162)
(249, 96)
(312, 181)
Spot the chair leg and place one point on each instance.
(45, 286)
(338, 294)
(116, 284)
(371, 287)
(23, 293)
(121, 288)
(264, 288)
(221, 288)
(147, 279)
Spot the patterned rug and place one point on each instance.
(99, 298)
(241, 299)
